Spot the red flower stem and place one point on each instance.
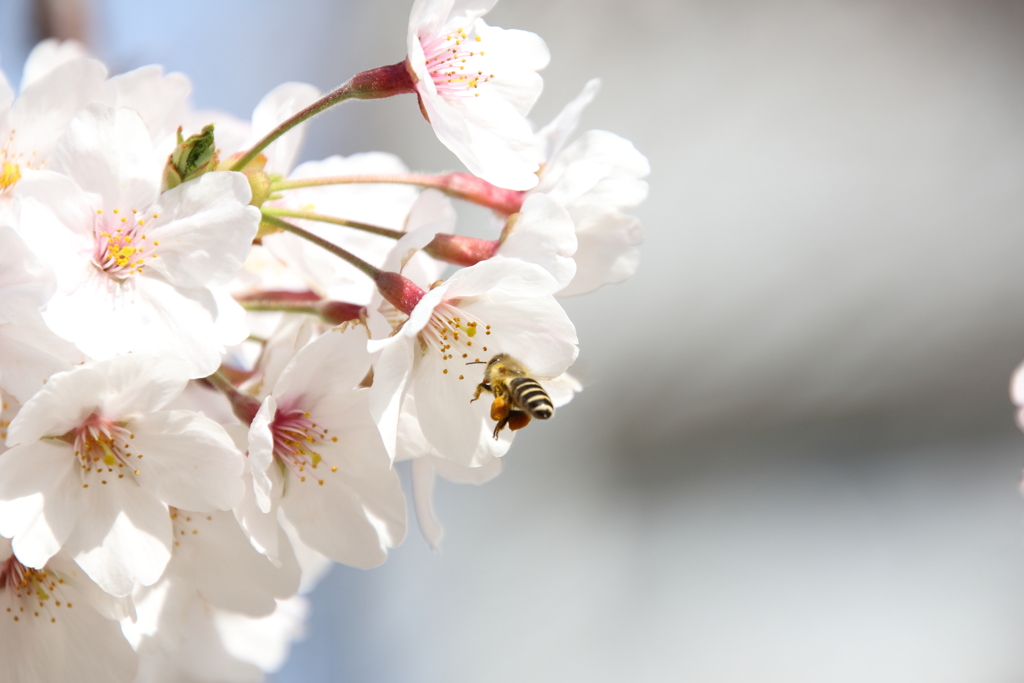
(458, 185)
(401, 292)
(384, 81)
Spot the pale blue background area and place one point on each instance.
(795, 459)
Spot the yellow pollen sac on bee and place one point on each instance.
(9, 174)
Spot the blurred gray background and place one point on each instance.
(795, 459)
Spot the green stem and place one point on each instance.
(223, 384)
(371, 271)
(312, 216)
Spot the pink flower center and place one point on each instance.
(454, 69)
(26, 593)
(120, 247)
(295, 438)
(103, 447)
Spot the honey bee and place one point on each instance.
(517, 396)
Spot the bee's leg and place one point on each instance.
(517, 419)
(501, 425)
(483, 386)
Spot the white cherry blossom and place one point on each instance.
(56, 625)
(476, 83)
(137, 271)
(316, 453)
(596, 178)
(94, 463)
(501, 305)
(31, 124)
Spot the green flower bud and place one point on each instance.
(191, 158)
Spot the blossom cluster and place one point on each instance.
(211, 358)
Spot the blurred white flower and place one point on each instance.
(94, 463)
(136, 270)
(214, 645)
(476, 84)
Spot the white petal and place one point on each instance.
(62, 404)
(261, 451)
(159, 99)
(39, 495)
(47, 55)
(204, 230)
(108, 153)
(124, 536)
(29, 354)
(607, 252)
(336, 362)
(46, 105)
(553, 137)
(140, 383)
(26, 282)
(390, 377)
(543, 234)
(227, 570)
(188, 461)
(423, 499)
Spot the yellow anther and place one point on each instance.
(9, 175)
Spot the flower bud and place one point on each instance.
(461, 250)
(191, 158)
(399, 291)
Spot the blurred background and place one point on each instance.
(795, 459)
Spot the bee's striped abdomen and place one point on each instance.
(530, 396)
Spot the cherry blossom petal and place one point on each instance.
(47, 55)
(607, 252)
(62, 404)
(261, 452)
(124, 536)
(160, 100)
(204, 230)
(554, 136)
(141, 383)
(188, 460)
(39, 496)
(46, 105)
(108, 153)
(543, 234)
(29, 354)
